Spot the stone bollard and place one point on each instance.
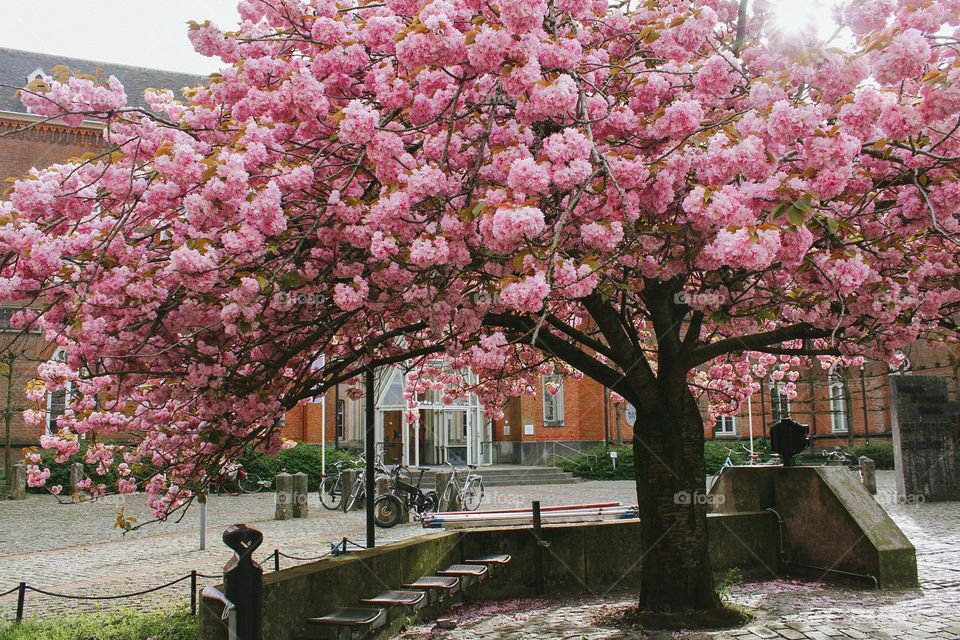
(301, 507)
(452, 503)
(243, 580)
(284, 484)
(18, 486)
(76, 475)
(869, 474)
(348, 478)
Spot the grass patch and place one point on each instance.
(122, 624)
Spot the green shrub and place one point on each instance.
(595, 463)
(305, 457)
(881, 453)
(60, 472)
(123, 624)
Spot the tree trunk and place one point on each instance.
(670, 475)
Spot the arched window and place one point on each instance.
(57, 400)
(779, 402)
(838, 404)
(553, 402)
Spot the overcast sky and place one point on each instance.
(135, 32)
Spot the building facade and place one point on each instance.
(842, 407)
(578, 414)
(28, 141)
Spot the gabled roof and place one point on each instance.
(17, 67)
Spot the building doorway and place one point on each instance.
(392, 443)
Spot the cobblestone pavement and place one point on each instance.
(785, 609)
(74, 549)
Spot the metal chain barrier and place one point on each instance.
(23, 587)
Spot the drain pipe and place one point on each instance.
(787, 563)
(783, 553)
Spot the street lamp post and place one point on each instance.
(863, 398)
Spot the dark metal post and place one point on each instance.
(21, 598)
(863, 394)
(369, 488)
(336, 416)
(276, 559)
(193, 592)
(763, 412)
(243, 580)
(606, 416)
(538, 552)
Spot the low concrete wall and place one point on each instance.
(595, 557)
(830, 521)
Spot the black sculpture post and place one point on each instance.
(370, 435)
(243, 580)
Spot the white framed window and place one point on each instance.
(779, 402)
(838, 404)
(57, 400)
(726, 426)
(553, 402)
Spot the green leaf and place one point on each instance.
(796, 216)
(803, 204)
(832, 224)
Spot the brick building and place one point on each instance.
(27, 141)
(843, 407)
(579, 415)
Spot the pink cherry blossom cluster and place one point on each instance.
(462, 186)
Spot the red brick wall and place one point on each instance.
(582, 411)
(812, 405)
(42, 145)
(305, 421)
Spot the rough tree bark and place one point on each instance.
(670, 477)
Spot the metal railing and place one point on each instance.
(338, 548)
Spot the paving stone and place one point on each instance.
(103, 562)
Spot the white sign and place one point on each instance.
(506, 429)
(528, 429)
(613, 454)
(630, 413)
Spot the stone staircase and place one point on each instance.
(506, 476)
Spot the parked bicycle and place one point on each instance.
(331, 486)
(389, 508)
(469, 494)
(233, 480)
(837, 457)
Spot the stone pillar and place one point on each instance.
(452, 504)
(18, 486)
(869, 474)
(301, 507)
(76, 475)
(349, 477)
(284, 484)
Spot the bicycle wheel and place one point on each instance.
(387, 511)
(356, 494)
(431, 501)
(331, 493)
(250, 484)
(472, 494)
